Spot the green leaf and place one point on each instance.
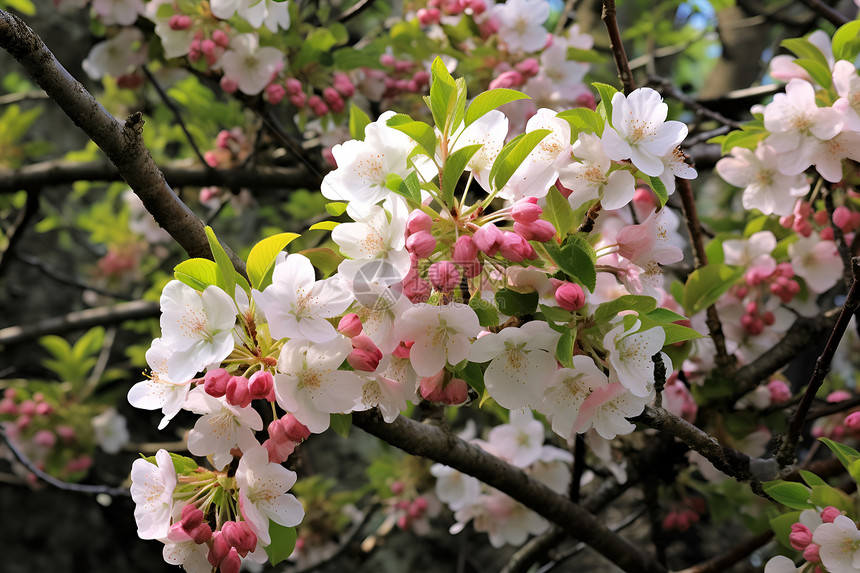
(559, 212)
(513, 154)
(781, 525)
(422, 133)
(665, 315)
(261, 259)
(555, 314)
(283, 542)
(197, 273)
(453, 169)
(443, 94)
(473, 375)
(564, 348)
(660, 189)
(606, 93)
(803, 48)
(487, 313)
(677, 333)
(846, 41)
(641, 304)
(515, 303)
(791, 494)
(707, 284)
(336, 208)
(820, 73)
(811, 479)
(408, 188)
(323, 258)
(826, 495)
(490, 100)
(227, 281)
(324, 226)
(582, 119)
(576, 258)
(181, 464)
(358, 120)
(845, 454)
(580, 55)
(341, 423)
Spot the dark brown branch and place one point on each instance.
(617, 47)
(826, 12)
(80, 320)
(58, 483)
(175, 111)
(788, 449)
(122, 143)
(50, 272)
(16, 231)
(734, 555)
(444, 447)
(47, 173)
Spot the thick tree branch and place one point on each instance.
(826, 12)
(122, 143)
(788, 449)
(47, 173)
(436, 444)
(79, 320)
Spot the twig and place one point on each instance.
(578, 467)
(694, 227)
(735, 554)
(355, 10)
(704, 136)
(122, 142)
(787, 450)
(826, 12)
(442, 446)
(175, 111)
(617, 47)
(49, 173)
(834, 408)
(666, 89)
(16, 231)
(52, 273)
(80, 320)
(839, 237)
(22, 96)
(58, 483)
(101, 364)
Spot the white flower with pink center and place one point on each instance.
(640, 131)
(839, 545)
(363, 166)
(817, 262)
(590, 177)
(765, 187)
(250, 66)
(440, 333)
(221, 427)
(197, 327)
(263, 496)
(522, 360)
(567, 391)
(797, 125)
(159, 392)
(309, 384)
(630, 353)
(520, 441)
(521, 24)
(152, 488)
(297, 305)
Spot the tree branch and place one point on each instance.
(79, 320)
(787, 450)
(16, 231)
(47, 173)
(735, 554)
(436, 444)
(122, 143)
(617, 47)
(826, 12)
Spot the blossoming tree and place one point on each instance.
(489, 239)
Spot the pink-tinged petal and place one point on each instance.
(598, 397)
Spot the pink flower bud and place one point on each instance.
(45, 438)
(260, 385)
(201, 534)
(570, 296)
(420, 503)
(386, 60)
(456, 392)
(838, 396)
(826, 234)
(488, 239)
(422, 244)
(296, 431)
(218, 550)
(8, 406)
(444, 276)
(362, 360)
(215, 382)
(539, 230)
(779, 391)
(403, 522)
(515, 248)
(43, 409)
(427, 16)
(508, 79)
(299, 100)
(417, 221)
(829, 514)
(275, 93)
(669, 521)
(192, 516)
(179, 22)
(343, 85)
(402, 350)
(221, 38)
(811, 553)
(478, 7)
(421, 77)
(397, 487)
(27, 407)
(852, 421)
(431, 388)
(239, 535)
(350, 325)
(528, 67)
(231, 563)
(66, 433)
(293, 86)
(229, 85)
(237, 391)
(525, 211)
(821, 217)
(800, 536)
(279, 451)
